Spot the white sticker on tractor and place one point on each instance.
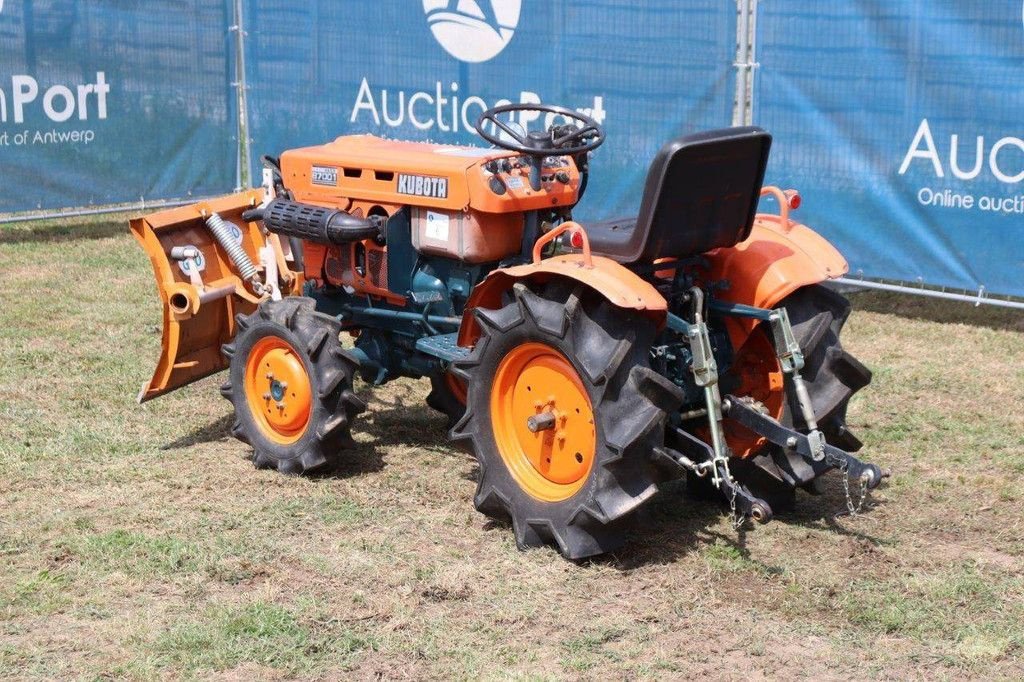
(472, 152)
(437, 226)
(186, 265)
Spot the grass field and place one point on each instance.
(139, 542)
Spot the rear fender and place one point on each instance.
(199, 307)
(778, 258)
(614, 282)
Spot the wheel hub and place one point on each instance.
(543, 422)
(760, 378)
(278, 389)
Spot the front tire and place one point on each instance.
(448, 397)
(578, 367)
(290, 382)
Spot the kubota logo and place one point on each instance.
(476, 30)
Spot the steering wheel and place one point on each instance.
(581, 134)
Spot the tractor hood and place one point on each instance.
(369, 169)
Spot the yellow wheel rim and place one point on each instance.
(278, 391)
(543, 422)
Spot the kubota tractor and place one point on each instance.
(583, 365)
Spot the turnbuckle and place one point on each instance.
(791, 358)
(705, 374)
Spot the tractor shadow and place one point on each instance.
(393, 420)
(828, 511)
(215, 431)
(365, 458)
(389, 421)
(673, 525)
(676, 523)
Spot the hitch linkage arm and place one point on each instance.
(700, 458)
(694, 455)
(800, 443)
(791, 359)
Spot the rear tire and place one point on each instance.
(613, 418)
(299, 428)
(832, 375)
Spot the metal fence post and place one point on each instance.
(244, 151)
(739, 104)
(752, 63)
(745, 62)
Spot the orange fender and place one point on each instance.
(778, 258)
(621, 287)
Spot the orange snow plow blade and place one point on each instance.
(200, 294)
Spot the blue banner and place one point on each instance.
(426, 69)
(900, 123)
(112, 102)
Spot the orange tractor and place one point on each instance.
(583, 365)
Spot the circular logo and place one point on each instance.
(473, 30)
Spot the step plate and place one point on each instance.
(443, 346)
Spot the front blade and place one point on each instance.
(197, 320)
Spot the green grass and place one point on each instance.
(138, 542)
(261, 633)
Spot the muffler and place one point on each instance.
(315, 223)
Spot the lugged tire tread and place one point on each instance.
(631, 403)
(441, 399)
(832, 374)
(335, 405)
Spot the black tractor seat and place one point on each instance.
(701, 193)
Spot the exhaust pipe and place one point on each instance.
(315, 223)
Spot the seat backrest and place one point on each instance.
(701, 193)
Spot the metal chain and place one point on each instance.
(851, 507)
(736, 518)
